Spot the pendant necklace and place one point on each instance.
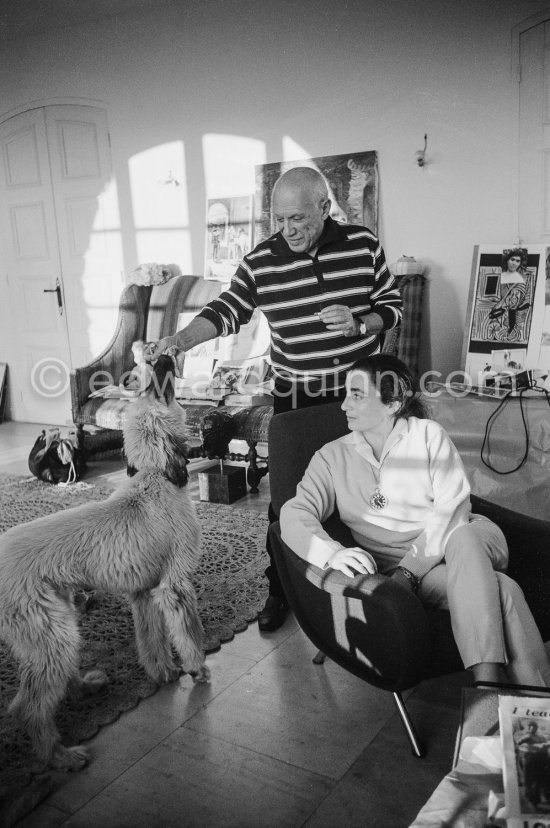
(378, 499)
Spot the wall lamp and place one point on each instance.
(420, 155)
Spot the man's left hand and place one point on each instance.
(339, 318)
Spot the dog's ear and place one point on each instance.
(176, 470)
(176, 464)
(162, 384)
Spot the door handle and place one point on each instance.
(57, 289)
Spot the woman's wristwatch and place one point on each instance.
(414, 581)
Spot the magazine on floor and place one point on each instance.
(525, 738)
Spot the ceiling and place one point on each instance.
(21, 18)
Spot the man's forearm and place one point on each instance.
(199, 330)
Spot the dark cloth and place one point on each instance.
(281, 403)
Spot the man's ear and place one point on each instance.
(326, 208)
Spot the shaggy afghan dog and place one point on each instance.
(144, 541)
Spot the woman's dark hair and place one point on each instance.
(395, 383)
(517, 252)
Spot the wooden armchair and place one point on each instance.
(371, 626)
(145, 313)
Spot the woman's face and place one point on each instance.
(363, 407)
(513, 263)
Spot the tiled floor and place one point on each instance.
(273, 740)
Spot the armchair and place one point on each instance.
(145, 313)
(371, 626)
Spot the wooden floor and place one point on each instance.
(273, 740)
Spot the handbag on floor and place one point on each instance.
(57, 459)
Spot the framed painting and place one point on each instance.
(352, 181)
(508, 316)
(228, 235)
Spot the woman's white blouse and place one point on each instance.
(421, 475)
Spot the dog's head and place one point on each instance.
(155, 434)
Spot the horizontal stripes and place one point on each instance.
(291, 288)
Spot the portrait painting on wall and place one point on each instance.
(228, 235)
(506, 309)
(352, 181)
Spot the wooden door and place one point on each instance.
(61, 235)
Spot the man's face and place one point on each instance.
(298, 218)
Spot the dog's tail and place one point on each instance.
(162, 385)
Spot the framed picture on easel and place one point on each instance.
(508, 316)
(3, 389)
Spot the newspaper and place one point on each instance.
(525, 739)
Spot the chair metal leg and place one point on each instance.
(409, 727)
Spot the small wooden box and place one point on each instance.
(216, 486)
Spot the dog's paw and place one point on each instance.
(202, 675)
(69, 759)
(163, 673)
(167, 674)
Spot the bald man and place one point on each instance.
(327, 294)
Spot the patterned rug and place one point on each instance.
(231, 589)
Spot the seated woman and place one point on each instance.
(400, 486)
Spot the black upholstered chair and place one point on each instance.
(371, 626)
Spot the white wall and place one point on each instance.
(267, 79)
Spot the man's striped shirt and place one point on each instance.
(349, 268)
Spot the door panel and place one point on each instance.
(29, 230)
(59, 223)
(89, 227)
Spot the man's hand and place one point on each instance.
(339, 318)
(167, 345)
(352, 562)
(154, 349)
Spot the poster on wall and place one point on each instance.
(352, 180)
(508, 318)
(228, 235)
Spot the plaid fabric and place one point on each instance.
(184, 293)
(117, 358)
(251, 424)
(404, 341)
(194, 415)
(147, 314)
(108, 413)
(412, 291)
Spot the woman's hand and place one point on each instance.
(352, 562)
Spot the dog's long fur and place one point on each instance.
(144, 540)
